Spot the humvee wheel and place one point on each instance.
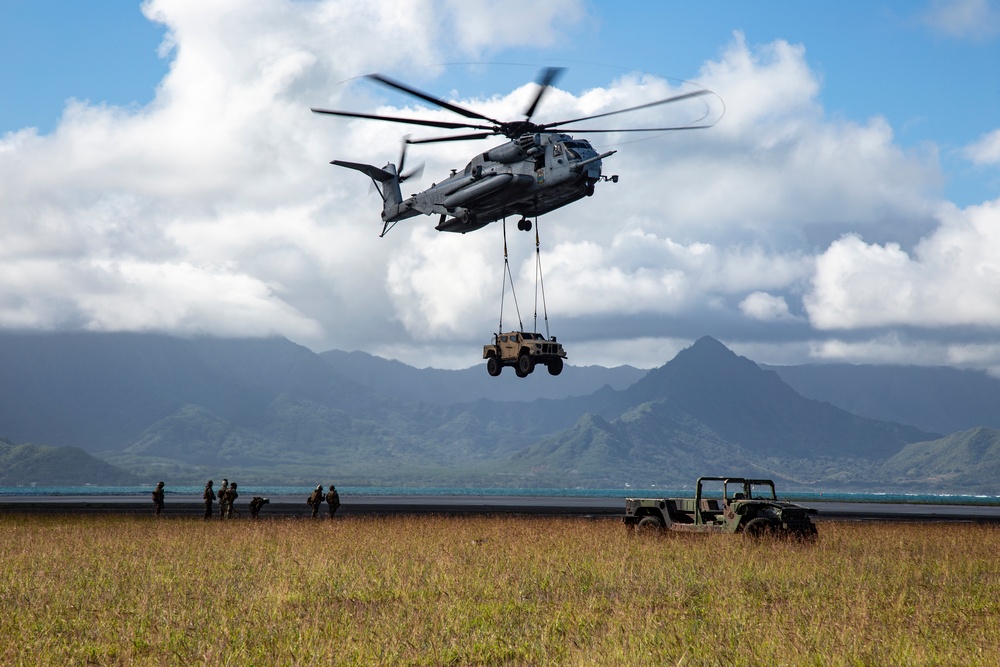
(649, 525)
(493, 366)
(761, 527)
(525, 364)
(555, 366)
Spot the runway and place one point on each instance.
(453, 505)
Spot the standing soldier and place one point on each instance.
(223, 491)
(158, 498)
(231, 497)
(209, 497)
(333, 500)
(315, 500)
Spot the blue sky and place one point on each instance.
(162, 172)
(933, 80)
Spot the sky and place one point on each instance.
(161, 171)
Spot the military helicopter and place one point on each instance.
(538, 170)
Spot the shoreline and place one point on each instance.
(191, 505)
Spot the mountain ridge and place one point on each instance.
(271, 410)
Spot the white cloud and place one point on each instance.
(963, 19)
(951, 279)
(765, 307)
(986, 150)
(213, 208)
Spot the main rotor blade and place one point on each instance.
(547, 78)
(666, 100)
(427, 97)
(643, 129)
(409, 121)
(457, 137)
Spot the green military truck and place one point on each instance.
(723, 505)
(523, 350)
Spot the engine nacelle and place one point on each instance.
(523, 147)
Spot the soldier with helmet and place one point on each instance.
(315, 500)
(158, 498)
(223, 498)
(256, 504)
(231, 497)
(209, 497)
(333, 500)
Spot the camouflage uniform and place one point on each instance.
(231, 497)
(223, 490)
(256, 504)
(209, 496)
(315, 500)
(333, 500)
(158, 498)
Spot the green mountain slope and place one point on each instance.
(45, 465)
(272, 411)
(968, 460)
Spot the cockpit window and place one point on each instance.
(573, 148)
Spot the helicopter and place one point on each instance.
(539, 169)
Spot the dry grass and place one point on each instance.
(477, 591)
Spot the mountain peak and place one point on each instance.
(706, 362)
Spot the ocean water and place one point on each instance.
(263, 490)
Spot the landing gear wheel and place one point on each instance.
(555, 366)
(524, 225)
(525, 364)
(493, 366)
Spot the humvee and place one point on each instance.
(523, 350)
(733, 505)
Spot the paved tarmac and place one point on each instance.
(562, 506)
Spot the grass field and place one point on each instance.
(111, 590)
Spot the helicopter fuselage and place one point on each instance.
(528, 176)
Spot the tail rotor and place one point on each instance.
(416, 171)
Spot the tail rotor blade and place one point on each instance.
(416, 171)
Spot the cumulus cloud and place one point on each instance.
(213, 209)
(764, 306)
(951, 279)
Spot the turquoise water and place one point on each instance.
(840, 497)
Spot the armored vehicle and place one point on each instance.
(523, 350)
(723, 505)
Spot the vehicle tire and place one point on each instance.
(555, 366)
(493, 366)
(525, 364)
(761, 527)
(810, 534)
(649, 525)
